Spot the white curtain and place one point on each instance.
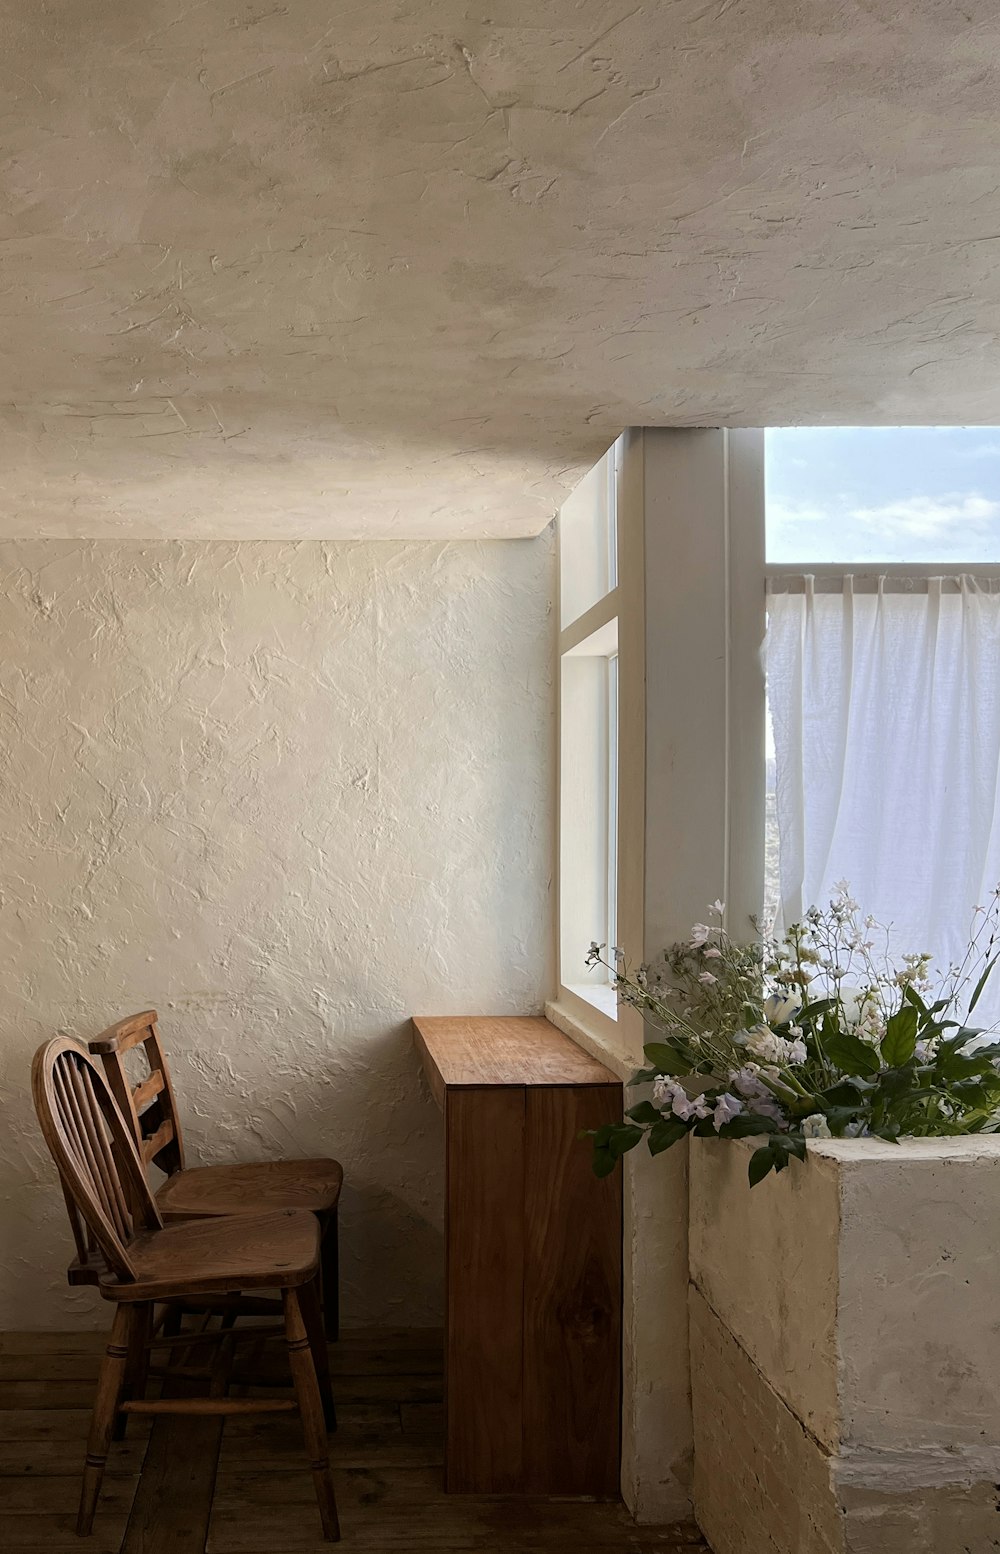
(886, 714)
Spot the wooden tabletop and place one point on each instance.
(473, 1051)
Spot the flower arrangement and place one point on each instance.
(818, 1034)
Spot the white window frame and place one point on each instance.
(594, 636)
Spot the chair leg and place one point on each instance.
(312, 1315)
(136, 1363)
(311, 1411)
(110, 1382)
(330, 1266)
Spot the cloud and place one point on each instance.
(928, 517)
(962, 525)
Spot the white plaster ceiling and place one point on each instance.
(386, 267)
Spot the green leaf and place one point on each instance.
(762, 1161)
(746, 1126)
(794, 1143)
(665, 1133)
(900, 1039)
(894, 1083)
(644, 1111)
(848, 1092)
(643, 1076)
(812, 1012)
(665, 1059)
(624, 1136)
(840, 1116)
(973, 1001)
(913, 997)
(852, 1054)
(603, 1162)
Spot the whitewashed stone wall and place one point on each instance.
(845, 1345)
(288, 795)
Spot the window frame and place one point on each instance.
(594, 634)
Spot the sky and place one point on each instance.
(887, 493)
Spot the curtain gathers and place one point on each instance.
(886, 713)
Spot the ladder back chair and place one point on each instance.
(144, 1261)
(194, 1192)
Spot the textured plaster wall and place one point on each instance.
(286, 794)
(844, 1348)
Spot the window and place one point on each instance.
(588, 765)
(859, 494)
(883, 664)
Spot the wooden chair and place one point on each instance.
(196, 1192)
(110, 1205)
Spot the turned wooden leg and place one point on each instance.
(330, 1269)
(136, 1363)
(311, 1412)
(110, 1382)
(312, 1315)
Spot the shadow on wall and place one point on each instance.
(287, 795)
(391, 1216)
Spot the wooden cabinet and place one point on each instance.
(534, 1257)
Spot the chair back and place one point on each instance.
(103, 1181)
(148, 1106)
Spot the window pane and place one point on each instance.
(588, 811)
(888, 493)
(587, 523)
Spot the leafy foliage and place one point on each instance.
(818, 1035)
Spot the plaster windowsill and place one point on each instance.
(600, 994)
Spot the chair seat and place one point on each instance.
(251, 1187)
(239, 1252)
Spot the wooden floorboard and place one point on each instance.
(174, 1489)
(173, 1506)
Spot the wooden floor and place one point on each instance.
(186, 1486)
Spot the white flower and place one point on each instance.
(771, 1048)
(861, 1013)
(668, 1095)
(718, 907)
(726, 1108)
(699, 934)
(756, 1094)
(816, 1127)
(712, 953)
(779, 1007)
(707, 978)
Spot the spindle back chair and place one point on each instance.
(105, 1188)
(111, 1208)
(149, 1106)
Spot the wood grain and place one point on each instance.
(533, 1333)
(502, 1050)
(572, 1298)
(172, 1508)
(386, 1456)
(484, 1288)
